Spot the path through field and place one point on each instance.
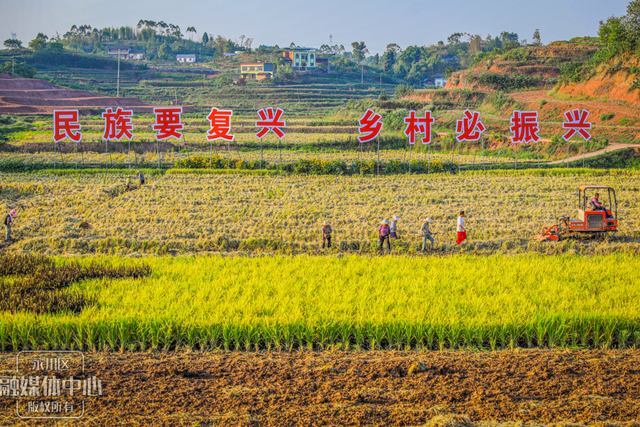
(358, 388)
(609, 149)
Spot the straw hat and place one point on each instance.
(385, 221)
(427, 220)
(325, 223)
(395, 218)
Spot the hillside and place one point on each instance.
(615, 81)
(531, 67)
(31, 96)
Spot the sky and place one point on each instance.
(309, 23)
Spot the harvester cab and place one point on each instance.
(597, 215)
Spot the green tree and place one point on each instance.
(205, 38)
(389, 57)
(220, 43)
(12, 44)
(448, 72)
(55, 47)
(165, 52)
(388, 61)
(38, 44)
(614, 34)
(191, 30)
(359, 51)
(19, 68)
(631, 20)
(536, 38)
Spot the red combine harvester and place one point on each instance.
(592, 221)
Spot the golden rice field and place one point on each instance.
(315, 302)
(269, 156)
(189, 213)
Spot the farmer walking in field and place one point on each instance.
(394, 227)
(326, 234)
(426, 234)
(8, 221)
(141, 176)
(462, 231)
(383, 234)
(128, 182)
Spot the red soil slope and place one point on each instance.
(33, 96)
(616, 87)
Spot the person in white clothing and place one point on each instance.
(462, 231)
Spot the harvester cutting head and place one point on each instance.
(555, 231)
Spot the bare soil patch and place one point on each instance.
(359, 388)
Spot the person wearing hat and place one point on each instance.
(128, 182)
(326, 234)
(426, 234)
(8, 221)
(462, 231)
(383, 234)
(394, 226)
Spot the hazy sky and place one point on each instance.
(309, 23)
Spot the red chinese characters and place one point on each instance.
(419, 125)
(168, 122)
(117, 124)
(524, 127)
(220, 125)
(469, 128)
(370, 126)
(66, 125)
(576, 123)
(270, 121)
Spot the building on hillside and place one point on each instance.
(137, 54)
(121, 51)
(450, 59)
(229, 55)
(303, 58)
(439, 80)
(186, 59)
(257, 71)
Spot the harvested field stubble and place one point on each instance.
(231, 213)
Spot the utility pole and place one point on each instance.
(118, 84)
(362, 76)
(13, 67)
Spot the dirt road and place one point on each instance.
(612, 147)
(358, 388)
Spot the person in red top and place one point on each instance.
(383, 234)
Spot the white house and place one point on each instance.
(439, 80)
(186, 59)
(122, 51)
(137, 54)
